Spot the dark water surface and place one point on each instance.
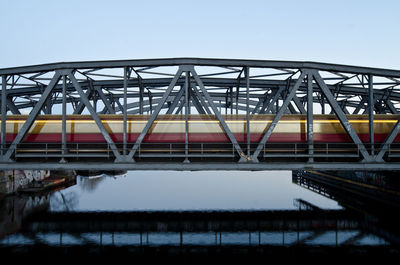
(165, 213)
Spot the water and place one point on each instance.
(199, 211)
(172, 191)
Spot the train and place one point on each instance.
(202, 128)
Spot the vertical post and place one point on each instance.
(125, 112)
(277, 104)
(64, 120)
(112, 104)
(237, 100)
(186, 117)
(48, 106)
(246, 73)
(226, 102)
(3, 113)
(371, 112)
(231, 92)
(140, 96)
(151, 103)
(310, 118)
(95, 100)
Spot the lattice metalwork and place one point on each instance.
(214, 87)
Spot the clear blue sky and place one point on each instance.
(349, 32)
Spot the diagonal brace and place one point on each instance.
(154, 114)
(103, 97)
(32, 116)
(389, 139)
(243, 157)
(84, 99)
(277, 117)
(342, 117)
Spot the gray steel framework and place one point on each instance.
(202, 86)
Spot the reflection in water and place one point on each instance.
(90, 184)
(185, 213)
(285, 228)
(64, 201)
(14, 209)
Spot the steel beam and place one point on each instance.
(3, 114)
(361, 105)
(299, 105)
(125, 114)
(388, 141)
(196, 103)
(103, 98)
(211, 94)
(200, 97)
(225, 127)
(32, 116)
(247, 77)
(64, 120)
(176, 100)
(201, 166)
(274, 100)
(260, 84)
(257, 107)
(310, 118)
(391, 107)
(141, 90)
(12, 107)
(95, 117)
(266, 101)
(187, 85)
(202, 62)
(154, 115)
(80, 107)
(341, 116)
(277, 117)
(371, 113)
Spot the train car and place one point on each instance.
(202, 128)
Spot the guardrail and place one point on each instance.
(196, 150)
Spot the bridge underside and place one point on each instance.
(182, 87)
(197, 166)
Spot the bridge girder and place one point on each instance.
(201, 85)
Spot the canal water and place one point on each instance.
(175, 191)
(209, 210)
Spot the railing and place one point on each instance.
(197, 150)
(320, 150)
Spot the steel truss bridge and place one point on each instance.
(188, 86)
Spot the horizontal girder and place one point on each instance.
(200, 62)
